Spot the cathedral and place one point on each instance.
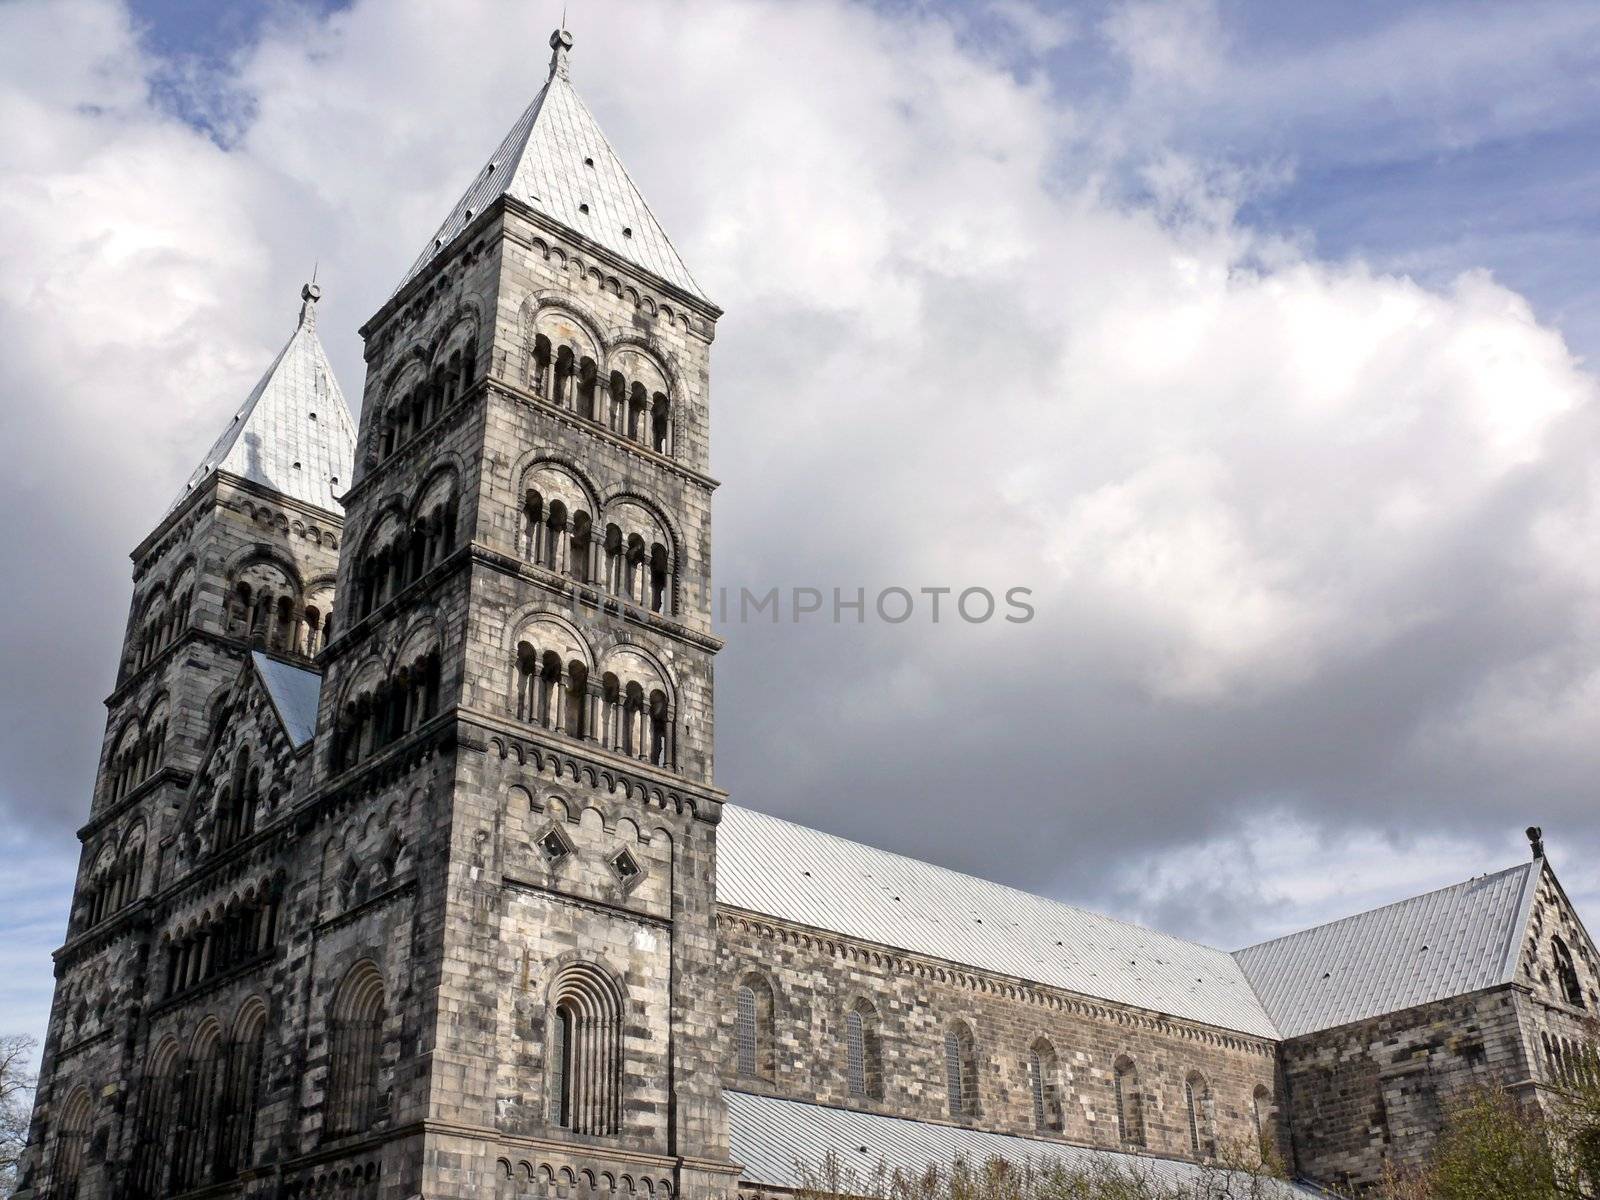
(406, 875)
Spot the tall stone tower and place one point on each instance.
(519, 694)
(430, 910)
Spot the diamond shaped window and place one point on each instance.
(626, 867)
(553, 846)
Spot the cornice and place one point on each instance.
(586, 762)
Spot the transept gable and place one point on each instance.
(1449, 942)
(253, 763)
(1556, 957)
(556, 161)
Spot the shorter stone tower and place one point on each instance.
(244, 560)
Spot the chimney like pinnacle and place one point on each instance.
(1536, 840)
(309, 295)
(560, 47)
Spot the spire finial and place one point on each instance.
(1536, 840)
(309, 295)
(560, 47)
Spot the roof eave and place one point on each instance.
(496, 210)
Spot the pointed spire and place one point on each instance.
(560, 47)
(293, 433)
(309, 295)
(556, 161)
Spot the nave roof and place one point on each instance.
(788, 871)
(772, 1138)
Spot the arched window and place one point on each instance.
(355, 1053)
(1261, 1110)
(660, 424)
(199, 1090)
(72, 1141)
(1044, 1086)
(753, 1028)
(1566, 973)
(527, 683)
(1197, 1107)
(154, 1122)
(241, 1093)
(863, 1051)
(1130, 1106)
(960, 1072)
(584, 1063)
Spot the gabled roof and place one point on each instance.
(556, 160)
(783, 870)
(294, 692)
(293, 433)
(1459, 939)
(774, 1139)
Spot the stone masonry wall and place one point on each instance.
(1375, 1091)
(815, 978)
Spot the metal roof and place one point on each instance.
(293, 433)
(797, 874)
(1446, 943)
(294, 692)
(779, 1141)
(556, 160)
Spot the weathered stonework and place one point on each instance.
(340, 950)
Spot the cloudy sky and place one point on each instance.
(1252, 337)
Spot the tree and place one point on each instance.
(16, 1103)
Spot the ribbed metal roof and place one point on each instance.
(293, 691)
(293, 433)
(778, 1141)
(556, 160)
(800, 875)
(1446, 943)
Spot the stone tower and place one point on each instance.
(243, 560)
(431, 905)
(519, 695)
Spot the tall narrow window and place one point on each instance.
(355, 1053)
(195, 1149)
(1042, 1080)
(561, 1067)
(863, 1051)
(747, 1032)
(153, 1124)
(1191, 1103)
(584, 1071)
(72, 1139)
(1130, 1111)
(241, 1092)
(1036, 1078)
(1261, 1106)
(856, 1053)
(960, 1072)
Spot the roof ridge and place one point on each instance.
(1368, 912)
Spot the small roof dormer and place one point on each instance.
(293, 434)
